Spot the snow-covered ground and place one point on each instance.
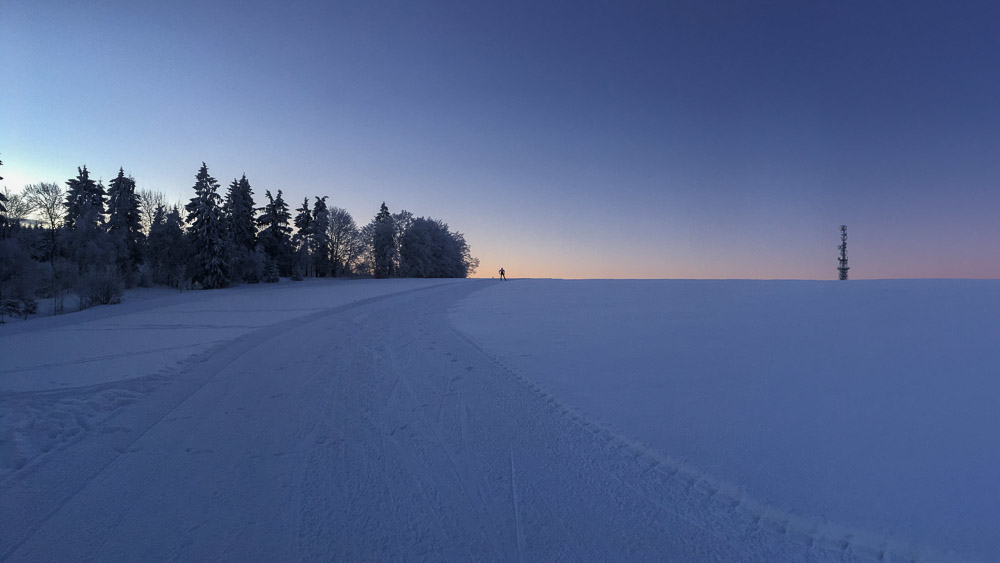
(157, 329)
(679, 420)
(866, 410)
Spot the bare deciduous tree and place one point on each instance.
(149, 200)
(345, 244)
(18, 209)
(47, 198)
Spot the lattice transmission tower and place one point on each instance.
(843, 267)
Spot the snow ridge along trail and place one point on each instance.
(369, 431)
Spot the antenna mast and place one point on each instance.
(843, 253)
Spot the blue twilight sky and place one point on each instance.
(565, 139)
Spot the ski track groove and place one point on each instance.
(453, 466)
(109, 357)
(518, 530)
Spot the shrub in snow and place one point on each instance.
(271, 272)
(144, 276)
(18, 277)
(251, 266)
(20, 306)
(98, 288)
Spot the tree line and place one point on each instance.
(92, 241)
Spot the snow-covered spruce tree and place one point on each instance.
(14, 208)
(270, 271)
(320, 238)
(3, 208)
(168, 251)
(383, 244)
(84, 199)
(275, 233)
(87, 244)
(205, 232)
(302, 240)
(239, 208)
(241, 228)
(125, 225)
(300, 264)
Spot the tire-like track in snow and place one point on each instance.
(373, 431)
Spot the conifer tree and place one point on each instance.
(3, 208)
(270, 271)
(168, 254)
(84, 200)
(384, 243)
(320, 237)
(302, 240)
(241, 228)
(239, 212)
(274, 236)
(205, 230)
(125, 224)
(86, 242)
(3, 214)
(303, 224)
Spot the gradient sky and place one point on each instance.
(697, 139)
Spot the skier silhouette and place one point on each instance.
(502, 276)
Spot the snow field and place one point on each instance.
(854, 414)
(121, 353)
(485, 420)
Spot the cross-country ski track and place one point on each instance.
(371, 430)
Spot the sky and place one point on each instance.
(696, 139)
